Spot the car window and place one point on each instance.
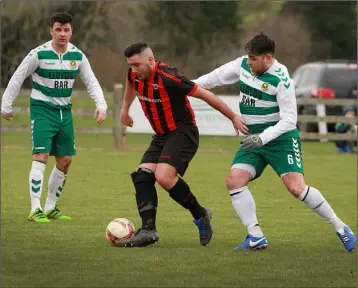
(309, 77)
(342, 80)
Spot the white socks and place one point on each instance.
(35, 181)
(315, 201)
(245, 208)
(55, 185)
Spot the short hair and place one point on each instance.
(135, 48)
(62, 18)
(260, 44)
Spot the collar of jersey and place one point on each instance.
(53, 49)
(272, 67)
(151, 76)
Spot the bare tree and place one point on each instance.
(21, 27)
(103, 29)
(292, 37)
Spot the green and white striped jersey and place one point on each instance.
(267, 102)
(53, 76)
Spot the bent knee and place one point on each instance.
(294, 183)
(67, 161)
(238, 178)
(295, 188)
(143, 175)
(167, 181)
(166, 175)
(64, 163)
(41, 157)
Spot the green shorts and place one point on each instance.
(283, 156)
(52, 131)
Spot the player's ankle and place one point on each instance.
(148, 227)
(255, 230)
(198, 212)
(337, 224)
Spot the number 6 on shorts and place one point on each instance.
(289, 159)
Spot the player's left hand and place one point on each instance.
(99, 115)
(250, 142)
(7, 116)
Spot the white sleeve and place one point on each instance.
(93, 88)
(228, 73)
(286, 100)
(25, 69)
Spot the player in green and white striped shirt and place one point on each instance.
(269, 112)
(53, 67)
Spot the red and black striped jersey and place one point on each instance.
(164, 98)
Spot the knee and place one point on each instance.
(64, 163)
(230, 181)
(143, 175)
(41, 157)
(237, 179)
(166, 180)
(295, 187)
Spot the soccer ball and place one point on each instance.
(118, 230)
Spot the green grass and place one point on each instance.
(303, 250)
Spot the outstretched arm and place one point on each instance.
(228, 73)
(221, 106)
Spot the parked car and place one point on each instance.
(330, 79)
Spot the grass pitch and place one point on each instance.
(303, 250)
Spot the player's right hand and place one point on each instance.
(126, 119)
(99, 115)
(239, 125)
(7, 116)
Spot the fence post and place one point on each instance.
(119, 130)
(322, 126)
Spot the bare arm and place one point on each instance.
(129, 96)
(221, 106)
(214, 102)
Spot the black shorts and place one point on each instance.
(176, 148)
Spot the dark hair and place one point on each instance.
(62, 18)
(349, 109)
(260, 44)
(135, 48)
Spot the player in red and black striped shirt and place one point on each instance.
(163, 94)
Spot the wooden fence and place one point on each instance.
(119, 131)
(322, 119)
